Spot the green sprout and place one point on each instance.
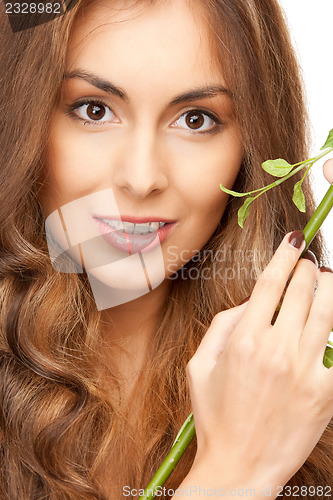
(283, 170)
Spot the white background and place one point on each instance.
(310, 23)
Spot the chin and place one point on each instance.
(123, 281)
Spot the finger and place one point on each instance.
(320, 322)
(297, 301)
(271, 283)
(216, 337)
(328, 170)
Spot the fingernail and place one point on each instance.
(296, 239)
(325, 269)
(243, 301)
(310, 256)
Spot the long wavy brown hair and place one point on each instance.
(63, 433)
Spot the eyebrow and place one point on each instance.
(108, 87)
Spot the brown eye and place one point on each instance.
(95, 111)
(194, 120)
(197, 121)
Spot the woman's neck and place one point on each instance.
(128, 329)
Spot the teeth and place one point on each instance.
(154, 226)
(128, 227)
(141, 228)
(115, 224)
(131, 228)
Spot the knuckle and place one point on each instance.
(270, 279)
(192, 368)
(301, 291)
(316, 404)
(218, 318)
(323, 312)
(246, 345)
(310, 394)
(189, 367)
(277, 364)
(263, 281)
(328, 277)
(308, 264)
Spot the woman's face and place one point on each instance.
(145, 130)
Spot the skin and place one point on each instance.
(276, 403)
(145, 151)
(328, 170)
(269, 408)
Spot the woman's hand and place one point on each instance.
(261, 395)
(328, 170)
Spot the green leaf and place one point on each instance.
(298, 196)
(243, 212)
(329, 141)
(328, 357)
(233, 193)
(278, 168)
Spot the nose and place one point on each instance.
(141, 168)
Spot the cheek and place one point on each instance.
(204, 169)
(76, 165)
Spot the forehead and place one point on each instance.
(163, 41)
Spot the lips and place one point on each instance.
(133, 243)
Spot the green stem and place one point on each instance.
(187, 431)
(307, 171)
(293, 172)
(299, 166)
(318, 217)
(181, 443)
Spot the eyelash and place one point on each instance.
(77, 104)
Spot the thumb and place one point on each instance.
(217, 335)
